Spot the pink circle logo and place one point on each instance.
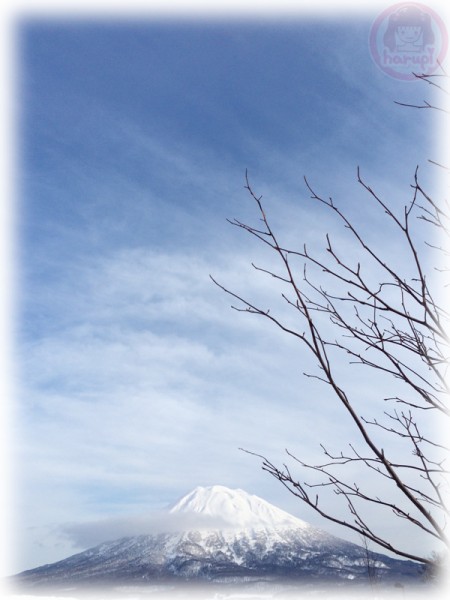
(408, 38)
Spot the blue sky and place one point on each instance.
(136, 380)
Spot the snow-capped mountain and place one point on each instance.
(247, 539)
(236, 508)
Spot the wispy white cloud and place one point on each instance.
(125, 398)
(85, 535)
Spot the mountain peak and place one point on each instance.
(256, 543)
(235, 507)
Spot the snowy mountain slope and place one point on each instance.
(259, 542)
(238, 508)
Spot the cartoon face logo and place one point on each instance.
(406, 39)
(409, 35)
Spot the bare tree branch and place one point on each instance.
(385, 316)
(395, 328)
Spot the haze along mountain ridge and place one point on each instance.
(241, 539)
